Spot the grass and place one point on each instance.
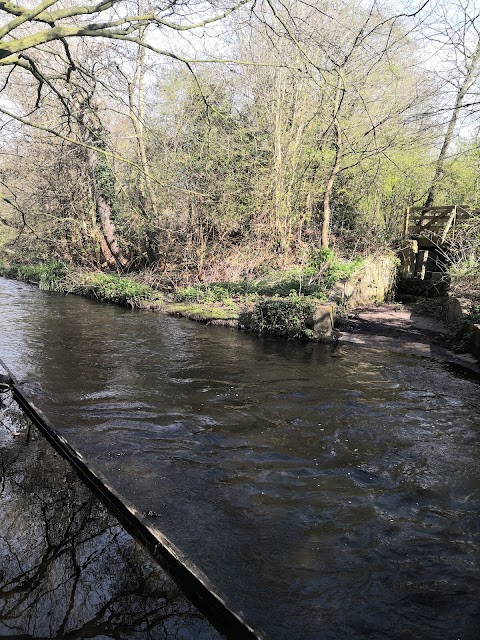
(49, 275)
(113, 288)
(55, 275)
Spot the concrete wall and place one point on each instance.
(421, 260)
(373, 282)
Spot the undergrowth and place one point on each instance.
(55, 275)
(315, 279)
(474, 312)
(49, 275)
(459, 333)
(113, 288)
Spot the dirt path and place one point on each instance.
(396, 327)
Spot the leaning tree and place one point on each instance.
(39, 52)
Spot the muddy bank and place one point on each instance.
(400, 327)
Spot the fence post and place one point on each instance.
(407, 222)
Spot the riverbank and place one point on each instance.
(346, 305)
(297, 303)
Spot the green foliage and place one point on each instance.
(464, 255)
(112, 288)
(380, 190)
(318, 257)
(342, 270)
(474, 312)
(50, 275)
(323, 270)
(105, 179)
(291, 317)
(459, 183)
(53, 276)
(27, 272)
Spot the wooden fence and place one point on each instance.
(437, 221)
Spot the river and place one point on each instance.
(68, 569)
(332, 498)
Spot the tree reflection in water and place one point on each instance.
(67, 568)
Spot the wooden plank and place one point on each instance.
(437, 208)
(450, 222)
(439, 221)
(432, 216)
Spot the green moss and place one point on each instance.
(203, 313)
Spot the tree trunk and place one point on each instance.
(91, 129)
(137, 116)
(468, 80)
(104, 215)
(325, 240)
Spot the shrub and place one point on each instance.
(474, 312)
(291, 317)
(463, 256)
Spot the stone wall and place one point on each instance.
(373, 282)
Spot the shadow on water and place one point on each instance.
(68, 570)
(330, 498)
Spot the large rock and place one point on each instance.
(323, 322)
(475, 340)
(457, 309)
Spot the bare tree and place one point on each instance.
(454, 31)
(37, 53)
(356, 55)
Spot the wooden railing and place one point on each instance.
(436, 221)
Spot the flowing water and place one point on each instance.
(68, 570)
(330, 498)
